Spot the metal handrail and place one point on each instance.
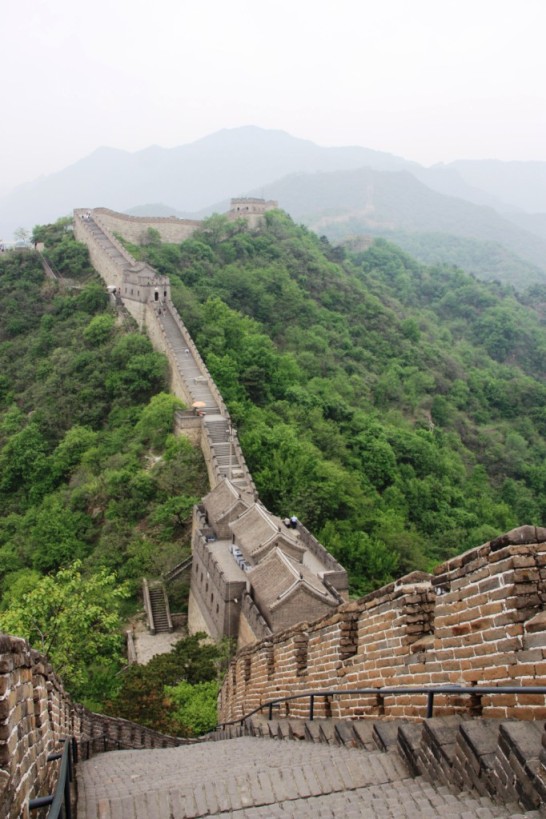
(60, 799)
(91, 745)
(178, 569)
(429, 691)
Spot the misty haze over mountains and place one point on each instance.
(493, 213)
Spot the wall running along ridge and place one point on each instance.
(225, 599)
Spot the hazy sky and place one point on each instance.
(430, 80)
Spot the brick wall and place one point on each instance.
(252, 625)
(479, 619)
(335, 574)
(135, 228)
(35, 713)
(110, 271)
(218, 598)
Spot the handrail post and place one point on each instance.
(430, 704)
(67, 805)
(71, 742)
(475, 693)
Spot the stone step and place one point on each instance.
(492, 758)
(255, 777)
(160, 611)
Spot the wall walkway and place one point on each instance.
(244, 610)
(190, 378)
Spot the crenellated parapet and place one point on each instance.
(250, 209)
(36, 714)
(479, 619)
(172, 229)
(135, 229)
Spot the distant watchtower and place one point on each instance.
(250, 209)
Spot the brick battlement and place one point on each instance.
(35, 714)
(479, 619)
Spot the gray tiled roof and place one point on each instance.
(256, 531)
(224, 498)
(278, 575)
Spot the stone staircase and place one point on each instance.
(349, 769)
(216, 425)
(194, 378)
(494, 758)
(160, 608)
(223, 451)
(104, 242)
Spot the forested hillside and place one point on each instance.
(95, 490)
(398, 410)
(347, 204)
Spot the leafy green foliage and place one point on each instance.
(173, 692)
(398, 410)
(156, 420)
(90, 469)
(193, 707)
(74, 620)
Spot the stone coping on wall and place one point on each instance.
(144, 220)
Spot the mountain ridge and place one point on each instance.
(466, 199)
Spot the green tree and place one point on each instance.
(74, 620)
(192, 707)
(99, 330)
(71, 449)
(141, 697)
(157, 419)
(57, 535)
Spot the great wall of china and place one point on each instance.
(251, 573)
(479, 620)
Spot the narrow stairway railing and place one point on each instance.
(178, 569)
(60, 800)
(380, 693)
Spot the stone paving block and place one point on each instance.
(363, 729)
(385, 734)
(296, 729)
(314, 780)
(243, 787)
(344, 734)
(233, 794)
(270, 778)
(273, 728)
(312, 731)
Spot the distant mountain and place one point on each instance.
(533, 222)
(157, 209)
(442, 212)
(396, 205)
(519, 185)
(484, 259)
(190, 177)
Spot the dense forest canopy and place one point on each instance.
(95, 489)
(398, 409)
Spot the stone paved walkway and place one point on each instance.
(150, 645)
(260, 778)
